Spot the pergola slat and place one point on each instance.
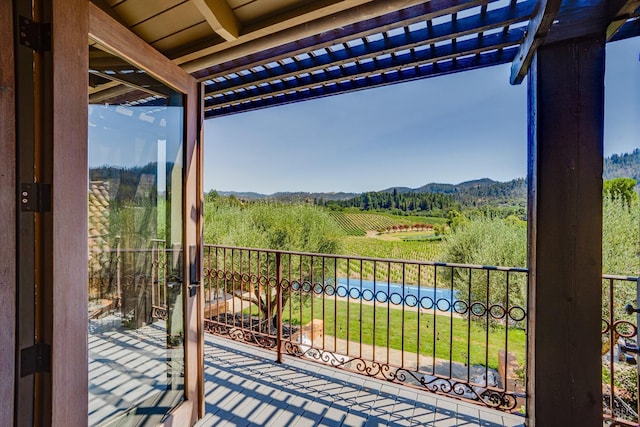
(408, 16)
(335, 48)
(500, 56)
(406, 40)
(359, 69)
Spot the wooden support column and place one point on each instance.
(566, 116)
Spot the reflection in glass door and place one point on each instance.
(136, 321)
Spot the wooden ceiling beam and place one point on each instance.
(98, 88)
(312, 23)
(107, 32)
(104, 96)
(220, 17)
(375, 9)
(431, 10)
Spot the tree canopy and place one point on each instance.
(621, 189)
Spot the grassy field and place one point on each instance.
(443, 335)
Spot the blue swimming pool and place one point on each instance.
(394, 293)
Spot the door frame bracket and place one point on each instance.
(34, 35)
(35, 359)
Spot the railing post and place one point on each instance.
(279, 306)
(637, 337)
(118, 273)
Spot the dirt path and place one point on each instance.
(372, 234)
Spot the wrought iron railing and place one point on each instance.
(133, 282)
(458, 330)
(619, 351)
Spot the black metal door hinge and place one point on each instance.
(35, 35)
(36, 358)
(35, 197)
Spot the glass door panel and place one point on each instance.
(136, 254)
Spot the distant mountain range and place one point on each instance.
(477, 191)
(289, 196)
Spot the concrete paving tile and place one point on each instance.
(316, 409)
(493, 419)
(306, 420)
(446, 414)
(375, 422)
(382, 406)
(468, 416)
(283, 418)
(333, 417)
(209, 420)
(297, 400)
(402, 412)
(300, 393)
(355, 419)
(424, 411)
(262, 413)
(246, 406)
(389, 388)
(230, 401)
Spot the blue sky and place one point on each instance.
(446, 129)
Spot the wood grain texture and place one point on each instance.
(200, 240)
(536, 32)
(566, 116)
(266, 37)
(192, 219)
(618, 12)
(220, 17)
(8, 209)
(125, 44)
(69, 210)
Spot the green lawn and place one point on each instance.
(454, 337)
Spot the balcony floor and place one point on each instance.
(244, 387)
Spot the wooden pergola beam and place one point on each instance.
(255, 39)
(233, 59)
(220, 17)
(620, 11)
(136, 81)
(357, 71)
(538, 28)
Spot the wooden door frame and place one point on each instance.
(8, 209)
(65, 267)
(122, 42)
